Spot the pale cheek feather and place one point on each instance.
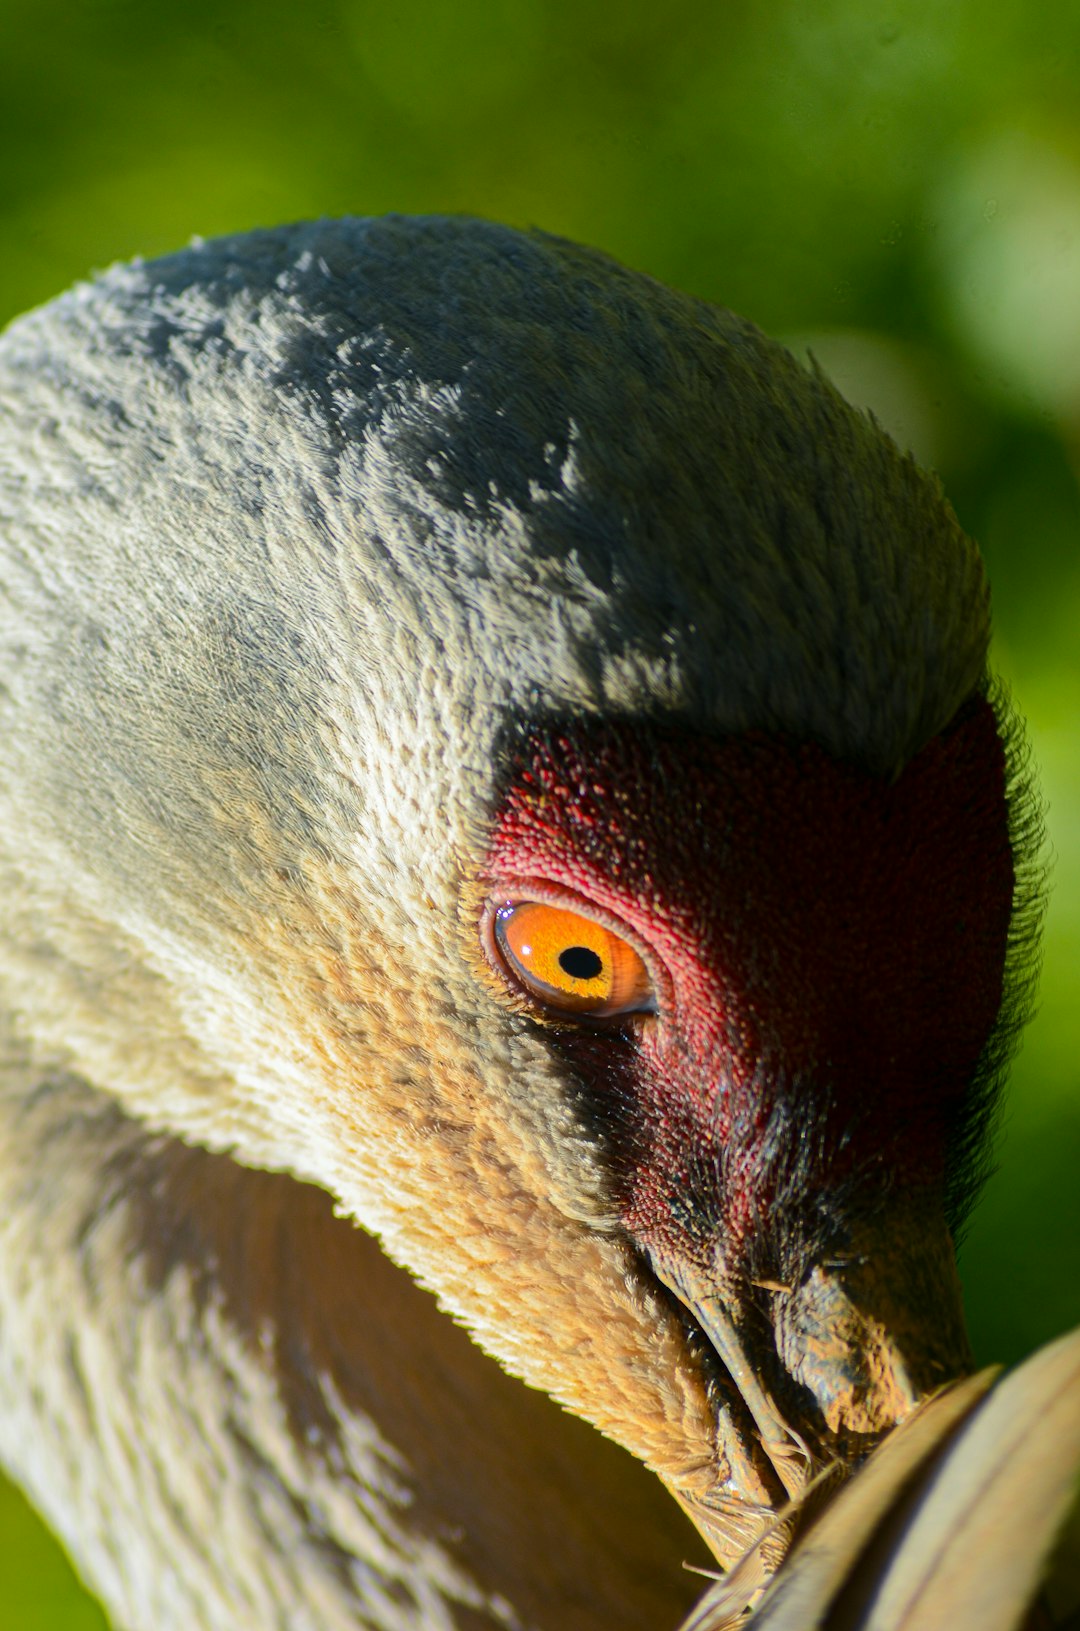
(462, 1190)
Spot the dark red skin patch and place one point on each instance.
(830, 951)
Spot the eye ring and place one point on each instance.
(567, 956)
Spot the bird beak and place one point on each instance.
(956, 1520)
(829, 1362)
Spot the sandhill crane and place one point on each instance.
(494, 753)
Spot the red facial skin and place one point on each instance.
(828, 951)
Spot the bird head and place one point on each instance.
(500, 740)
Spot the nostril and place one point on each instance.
(870, 1337)
(846, 1359)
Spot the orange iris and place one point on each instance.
(571, 962)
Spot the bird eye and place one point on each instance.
(569, 962)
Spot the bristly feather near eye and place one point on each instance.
(970, 1157)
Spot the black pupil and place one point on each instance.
(580, 962)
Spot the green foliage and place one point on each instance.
(40, 1590)
(896, 185)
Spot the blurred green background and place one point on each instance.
(896, 185)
